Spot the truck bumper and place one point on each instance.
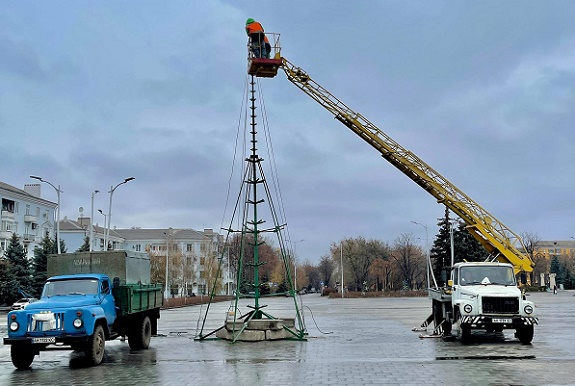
(482, 321)
(43, 341)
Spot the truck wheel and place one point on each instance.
(525, 334)
(95, 347)
(446, 328)
(140, 337)
(22, 357)
(464, 333)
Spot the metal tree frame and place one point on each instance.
(254, 177)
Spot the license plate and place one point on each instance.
(51, 339)
(506, 321)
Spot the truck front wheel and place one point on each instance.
(464, 333)
(525, 334)
(141, 336)
(96, 346)
(22, 357)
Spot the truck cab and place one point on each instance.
(485, 296)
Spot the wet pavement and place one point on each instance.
(350, 342)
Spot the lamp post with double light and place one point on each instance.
(58, 191)
(112, 189)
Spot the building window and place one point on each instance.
(138, 248)
(202, 289)
(203, 248)
(189, 247)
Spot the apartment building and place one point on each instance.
(550, 248)
(27, 215)
(193, 255)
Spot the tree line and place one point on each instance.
(21, 277)
(367, 264)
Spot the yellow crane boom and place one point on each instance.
(502, 243)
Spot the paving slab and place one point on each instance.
(364, 341)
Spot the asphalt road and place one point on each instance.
(350, 342)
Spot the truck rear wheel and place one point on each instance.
(525, 334)
(22, 357)
(96, 346)
(140, 337)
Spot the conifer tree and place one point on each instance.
(466, 246)
(40, 265)
(19, 269)
(441, 250)
(6, 280)
(86, 246)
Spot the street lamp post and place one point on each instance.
(295, 263)
(166, 291)
(105, 217)
(112, 189)
(426, 252)
(92, 221)
(58, 191)
(341, 262)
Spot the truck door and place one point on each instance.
(108, 303)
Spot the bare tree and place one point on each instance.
(326, 268)
(410, 260)
(357, 255)
(530, 241)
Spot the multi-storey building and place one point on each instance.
(548, 249)
(193, 255)
(27, 215)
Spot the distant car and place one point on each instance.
(22, 303)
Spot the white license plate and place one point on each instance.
(51, 339)
(506, 321)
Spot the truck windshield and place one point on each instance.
(71, 287)
(497, 275)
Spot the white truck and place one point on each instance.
(482, 296)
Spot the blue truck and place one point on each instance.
(88, 298)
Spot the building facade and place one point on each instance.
(27, 215)
(193, 256)
(548, 249)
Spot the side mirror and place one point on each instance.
(523, 278)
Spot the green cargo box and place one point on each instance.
(132, 298)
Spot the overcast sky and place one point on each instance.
(92, 92)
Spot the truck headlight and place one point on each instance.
(467, 308)
(14, 326)
(528, 309)
(78, 323)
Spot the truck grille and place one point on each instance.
(492, 305)
(46, 322)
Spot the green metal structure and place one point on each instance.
(251, 238)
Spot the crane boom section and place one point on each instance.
(499, 240)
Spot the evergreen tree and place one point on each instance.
(441, 251)
(62, 244)
(466, 246)
(555, 265)
(85, 247)
(6, 281)
(19, 269)
(560, 269)
(40, 265)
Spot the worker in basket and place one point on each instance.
(257, 38)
